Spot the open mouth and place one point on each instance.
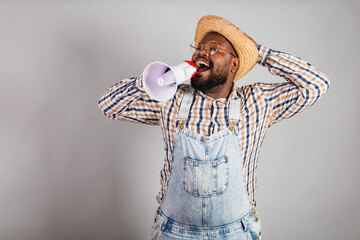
(202, 64)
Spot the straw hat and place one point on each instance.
(244, 46)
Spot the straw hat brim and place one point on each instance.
(245, 47)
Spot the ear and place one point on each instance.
(235, 62)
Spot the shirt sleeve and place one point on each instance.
(127, 100)
(304, 84)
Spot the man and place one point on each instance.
(213, 131)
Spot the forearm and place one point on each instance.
(311, 82)
(305, 84)
(127, 100)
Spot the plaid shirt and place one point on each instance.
(262, 104)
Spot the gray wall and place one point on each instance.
(67, 172)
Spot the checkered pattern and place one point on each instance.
(262, 104)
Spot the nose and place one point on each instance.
(203, 52)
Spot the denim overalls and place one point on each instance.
(206, 196)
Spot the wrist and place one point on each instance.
(264, 53)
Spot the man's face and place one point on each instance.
(213, 69)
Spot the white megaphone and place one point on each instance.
(161, 81)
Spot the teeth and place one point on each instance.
(199, 63)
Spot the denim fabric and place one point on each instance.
(206, 197)
(246, 228)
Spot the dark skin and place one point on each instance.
(221, 63)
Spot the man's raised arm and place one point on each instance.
(303, 87)
(128, 101)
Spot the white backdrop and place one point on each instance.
(68, 173)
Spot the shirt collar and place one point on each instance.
(233, 95)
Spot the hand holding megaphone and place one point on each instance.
(161, 81)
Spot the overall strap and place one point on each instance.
(234, 113)
(184, 107)
(185, 104)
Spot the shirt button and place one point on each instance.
(155, 220)
(254, 212)
(256, 219)
(158, 211)
(259, 233)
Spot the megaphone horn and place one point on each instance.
(161, 81)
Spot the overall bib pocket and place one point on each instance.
(205, 178)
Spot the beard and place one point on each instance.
(214, 80)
